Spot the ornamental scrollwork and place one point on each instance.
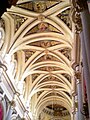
(77, 7)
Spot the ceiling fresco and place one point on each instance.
(40, 41)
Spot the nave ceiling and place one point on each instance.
(39, 41)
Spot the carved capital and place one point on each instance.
(77, 7)
(13, 104)
(78, 74)
(76, 20)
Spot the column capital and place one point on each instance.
(77, 7)
(75, 17)
(13, 104)
(78, 74)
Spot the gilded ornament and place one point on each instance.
(77, 7)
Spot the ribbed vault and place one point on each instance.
(38, 37)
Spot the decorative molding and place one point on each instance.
(75, 16)
(77, 7)
(76, 20)
(78, 74)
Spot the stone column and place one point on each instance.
(79, 93)
(76, 108)
(86, 69)
(77, 115)
(81, 19)
(85, 16)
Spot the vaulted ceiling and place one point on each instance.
(39, 40)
